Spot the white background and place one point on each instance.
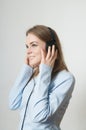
(68, 18)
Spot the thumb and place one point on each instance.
(26, 60)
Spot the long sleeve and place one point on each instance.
(15, 96)
(47, 101)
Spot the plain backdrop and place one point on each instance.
(68, 18)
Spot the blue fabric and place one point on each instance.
(48, 99)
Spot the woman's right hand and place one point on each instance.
(26, 60)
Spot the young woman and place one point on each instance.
(44, 85)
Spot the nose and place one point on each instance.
(29, 50)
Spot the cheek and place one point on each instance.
(39, 55)
(44, 47)
(38, 51)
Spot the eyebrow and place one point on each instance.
(32, 42)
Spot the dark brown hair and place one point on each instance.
(44, 34)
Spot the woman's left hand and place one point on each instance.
(50, 57)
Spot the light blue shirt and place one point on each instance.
(42, 101)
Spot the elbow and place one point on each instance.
(13, 106)
(14, 103)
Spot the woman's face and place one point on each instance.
(34, 46)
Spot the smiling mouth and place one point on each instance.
(31, 57)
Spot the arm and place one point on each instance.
(15, 95)
(46, 103)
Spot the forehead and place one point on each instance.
(32, 38)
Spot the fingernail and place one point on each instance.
(49, 47)
(53, 46)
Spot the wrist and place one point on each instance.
(46, 67)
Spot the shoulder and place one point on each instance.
(63, 78)
(63, 75)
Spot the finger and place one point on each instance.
(26, 59)
(54, 57)
(52, 60)
(49, 52)
(56, 53)
(53, 51)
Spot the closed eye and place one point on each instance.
(34, 45)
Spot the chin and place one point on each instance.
(34, 64)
